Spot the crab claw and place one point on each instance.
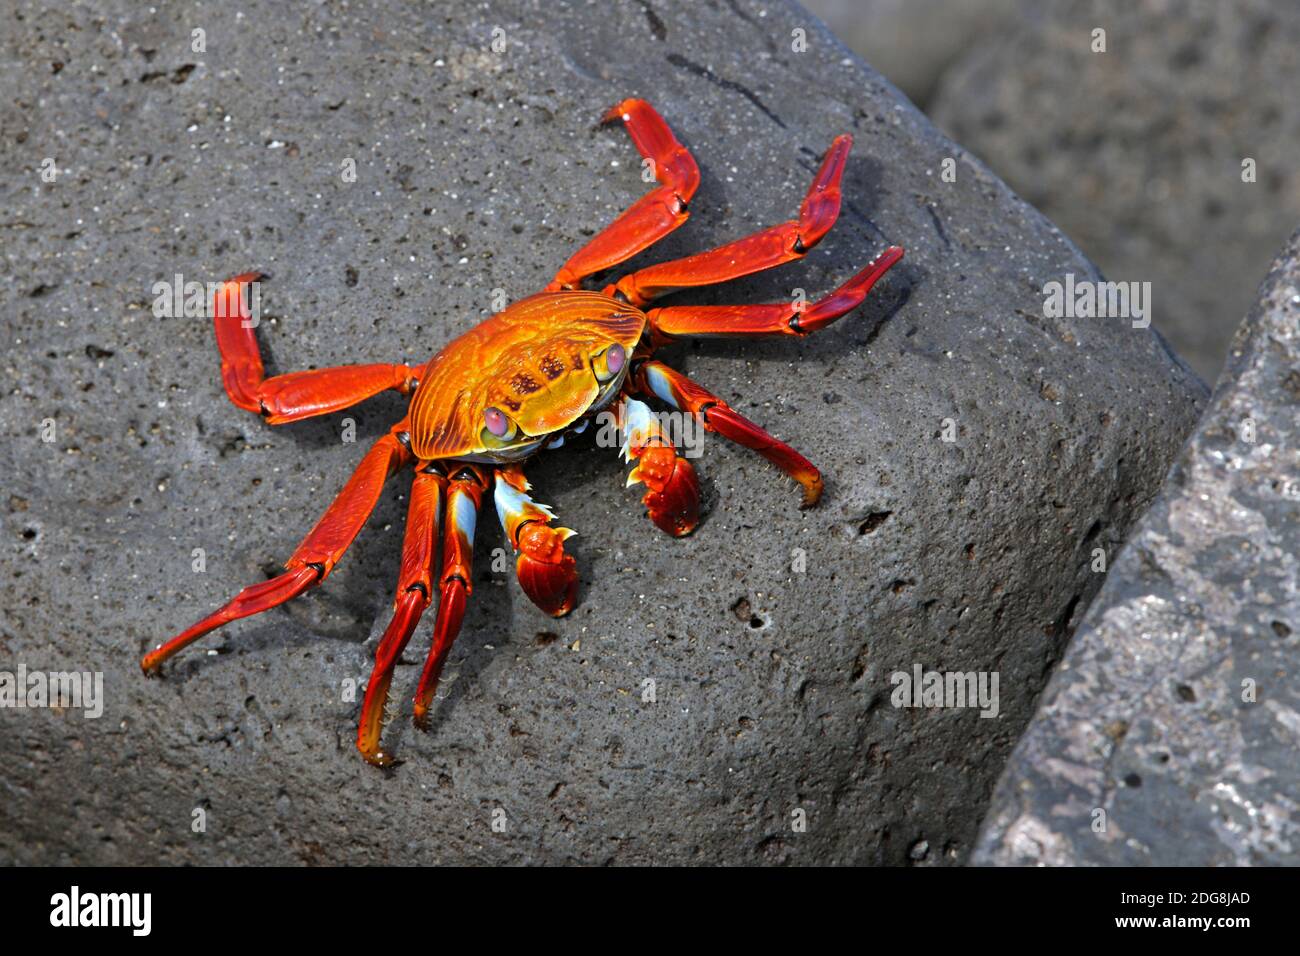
(547, 574)
(672, 490)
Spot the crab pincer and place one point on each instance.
(672, 495)
(548, 575)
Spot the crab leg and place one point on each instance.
(672, 490)
(763, 250)
(652, 216)
(315, 558)
(783, 318)
(547, 574)
(295, 395)
(455, 583)
(414, 588)
(685, 395)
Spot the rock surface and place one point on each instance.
(1171, 733)
(914, 42)
(479, 171)
(1137, 152)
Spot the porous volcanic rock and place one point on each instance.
(1171, 733)
(476, 171)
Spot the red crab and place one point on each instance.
(520, 381)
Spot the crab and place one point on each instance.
(519, 382)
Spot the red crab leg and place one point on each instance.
(287, 398)
(547, 574)
(414, 588)
(763, 250)
(672, 490)
(783, 318)
(685, 395)
(456, 582)
(651, 217)
(315, 557)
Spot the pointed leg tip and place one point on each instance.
(812, 492)
(420, 712)
(811, 485)
(244, 277)
(151, 663)
(379, 758)
(616, 113)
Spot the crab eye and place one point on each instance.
(610, 362)
(496, 421)
(614, 359)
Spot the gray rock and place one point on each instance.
(913, 42)
(478, 171)
(1174, 720)
(1137, 152)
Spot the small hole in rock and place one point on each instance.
(873, 521)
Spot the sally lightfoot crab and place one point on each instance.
(519, 382)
